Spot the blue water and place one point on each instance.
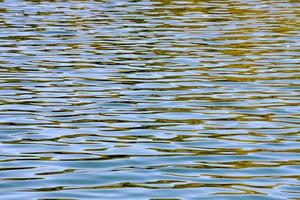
(154, 100)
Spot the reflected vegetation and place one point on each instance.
(149, 99)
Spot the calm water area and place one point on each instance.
(150, 99)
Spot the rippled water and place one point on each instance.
(150, 99)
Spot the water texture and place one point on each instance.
(150, 99)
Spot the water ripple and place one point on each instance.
(149, 99)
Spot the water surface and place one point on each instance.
(149, 99)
